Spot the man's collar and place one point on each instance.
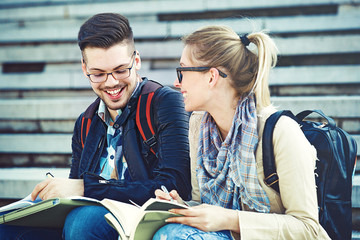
(103, 112)
(136, 93)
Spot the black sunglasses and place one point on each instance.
(196, 69)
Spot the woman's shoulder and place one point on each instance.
(285, 123)
(195, 121)
(196, 116)
(262, 115)
(287, 133)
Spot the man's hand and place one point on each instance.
(207, 218)
(58, 187)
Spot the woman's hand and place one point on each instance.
(207, 218)
(167, 196)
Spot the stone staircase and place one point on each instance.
(42, 88)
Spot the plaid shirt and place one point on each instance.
(227, 170)
(113, 153)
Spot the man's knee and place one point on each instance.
(88, 222)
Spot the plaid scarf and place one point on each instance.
(227, 170)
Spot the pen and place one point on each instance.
(166, 191)
(132, 202)
(49, 175)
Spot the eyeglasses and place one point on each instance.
(195, 69)
(118, 74)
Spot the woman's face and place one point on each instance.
(193, 85)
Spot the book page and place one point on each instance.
(113, 222)
(125, 213)
(25, 202)
(144, 220)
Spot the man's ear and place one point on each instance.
(137, 61)
(83, 66)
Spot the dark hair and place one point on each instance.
(105, 30)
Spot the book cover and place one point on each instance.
(48, 213)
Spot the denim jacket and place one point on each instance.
(170, 167)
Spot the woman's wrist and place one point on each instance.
(232, 220)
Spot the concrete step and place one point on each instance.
(64, 108)
(355, 197)
(144, 8)
(66, 79)
(16, 183)
(355, 235)
(26, 179)
(69, 52)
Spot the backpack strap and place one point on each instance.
(331, 123)
(86, 120)
(271, 177)
(144, 114)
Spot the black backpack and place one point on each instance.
(337, 152)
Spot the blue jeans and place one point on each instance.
(175, 231)
(85, 222)
(88, 222)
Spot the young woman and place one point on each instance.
(220, 76)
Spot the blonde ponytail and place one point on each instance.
(220, 46)
(267, 59)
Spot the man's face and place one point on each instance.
(114, 92)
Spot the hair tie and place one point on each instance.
(244, 39)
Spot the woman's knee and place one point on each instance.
(175, 231)
(167, 232)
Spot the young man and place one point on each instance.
(113, 151)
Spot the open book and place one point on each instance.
(130, 221)
(139, 223)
